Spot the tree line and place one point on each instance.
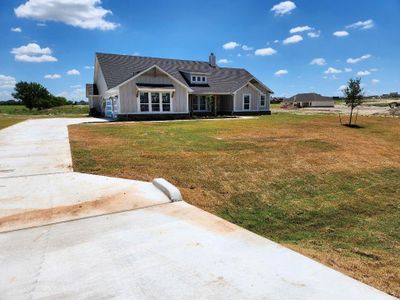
(34, 95)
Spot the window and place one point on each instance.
(246, 102)
(155, 102)
(166, 102)
(198, 79)
(199, 103)
(262, 101)
(144, 101)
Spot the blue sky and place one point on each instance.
(292, 46)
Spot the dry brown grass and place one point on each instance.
(329, 191)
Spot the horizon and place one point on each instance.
(291, 46)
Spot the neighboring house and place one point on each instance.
(309, 100)
(134, 87)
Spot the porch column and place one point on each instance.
(215, 104)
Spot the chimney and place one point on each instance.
(212, 60)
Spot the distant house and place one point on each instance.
(309, 100)
(135, 87)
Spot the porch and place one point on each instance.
(210, 105)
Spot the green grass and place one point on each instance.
(61, 110)
(328, 191)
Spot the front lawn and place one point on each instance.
(325, 190)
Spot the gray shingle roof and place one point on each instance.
(119, 68)
(308, 97)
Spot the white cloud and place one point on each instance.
(364, 73)
(340, 33)
(7, 82)
(247, 48)
(375, 81)
(358, 59)
(276, 41)
(33, 53)
(86, 14)
(293, 39)
(52, 76)
(224, 61)
(16, 29)
(73, 72)
(318, 61)
(348, 70)
(300, 29)
(368, 24)
(373, 70)
(314, 34)
(283, 8)
(265, 51)
(230, 45)
(239, 55)
(331, 70)
(31, 48)
(75, 94)
(281, 73)
(342, 87)
(41, 24)
(88, 67)
(76, 86)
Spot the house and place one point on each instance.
(129, 87)
(308, 100)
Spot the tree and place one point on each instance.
(353, 95)
(32, 95)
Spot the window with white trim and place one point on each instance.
(198, 79)
(263, 101)
(166, 101)
(246, 101)
(144, 101)
(155, 101)
(199, 103)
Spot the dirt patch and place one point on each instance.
(117, 202)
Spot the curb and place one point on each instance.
(168, 189)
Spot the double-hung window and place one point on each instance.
(144, 101)
(166, 102)
(246, 102)
(262, 101)
(155, 102)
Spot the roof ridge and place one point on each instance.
(153, 57)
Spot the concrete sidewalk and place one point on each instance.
(69, 235)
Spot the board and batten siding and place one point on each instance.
(128, 100)
(255, 97)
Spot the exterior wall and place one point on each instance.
(128, 100)
(328, 103)
(99, 79)
(254, 100)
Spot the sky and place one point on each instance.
(291, 46)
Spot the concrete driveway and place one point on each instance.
(67, 235)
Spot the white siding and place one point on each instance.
(128, 91)
(254, 100)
